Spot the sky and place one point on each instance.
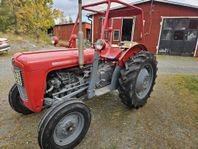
(70, 7)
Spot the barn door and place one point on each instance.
(191, 37)
(178, 36)
(127, 29)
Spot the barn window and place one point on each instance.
(181, 24)
(191, 36)
(179, 35)
(178, 24)
(166, 35)
(193, 24)
(168, 24)
(116, 35)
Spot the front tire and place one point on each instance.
(64, 126)
(138, 79)
(16, 103)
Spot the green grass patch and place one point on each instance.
(191, 83)
(18, 38)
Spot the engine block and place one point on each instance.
(105, 72)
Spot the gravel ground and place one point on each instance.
(168, 120)
(177, 65)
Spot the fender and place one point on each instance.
(135, 48)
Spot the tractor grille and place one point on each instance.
(22, 92)
(18, 76)
(19, 82)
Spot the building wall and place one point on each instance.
(63, 32)
(152, 22)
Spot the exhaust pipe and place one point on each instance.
(80, 37)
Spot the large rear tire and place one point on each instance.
(16, 103)
(64, 125)
(137, 79)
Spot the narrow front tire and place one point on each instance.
(64, 126)
(16, 103)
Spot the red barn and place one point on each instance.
(63, 31)
(170, 27)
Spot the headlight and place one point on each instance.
(100, 44)
(53, 42)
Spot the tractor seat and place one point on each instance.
(111, 53)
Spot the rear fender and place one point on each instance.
(135, 48)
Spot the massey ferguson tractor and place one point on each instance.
(62, 80)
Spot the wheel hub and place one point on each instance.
(144, 81)
(68, 128)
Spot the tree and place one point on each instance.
(70, 19)
(62, 19)
(27, 16)
(37, 16)
(7, 16)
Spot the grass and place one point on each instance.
(191, 83)
(23, 43)
(18, 38)
(15, 38)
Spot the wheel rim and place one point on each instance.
(144, 81)
(68, 128)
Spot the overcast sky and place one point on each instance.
(70, 6)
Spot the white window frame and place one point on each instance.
(118, 35)
(174, 17)
(133, 26)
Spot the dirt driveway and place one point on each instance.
(169, 119)
(177, 65)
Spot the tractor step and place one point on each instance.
(103, 90)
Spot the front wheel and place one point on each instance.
(64, 126)
(137, 79)
(15, 101)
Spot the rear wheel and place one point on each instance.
(15, 101)
(64, 126)
(137, 79)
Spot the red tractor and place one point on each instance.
(61, 80)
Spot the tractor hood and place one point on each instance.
(51, 59)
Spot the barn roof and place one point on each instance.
(66, 24)
(179, 3)
(172, 2)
